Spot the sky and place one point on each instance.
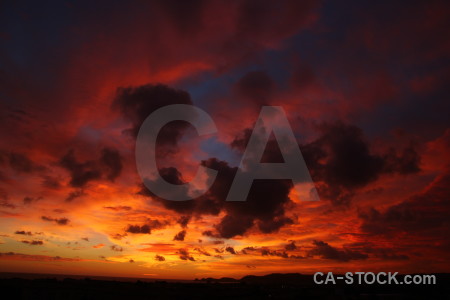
(365, 89)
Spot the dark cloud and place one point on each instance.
(230, 226)
(425, 213)
(219, 250)
(324, 250)
(118, 208)
(139, 229)
(60, 221)
(210, 233)
(199, 206)
(291, 246)
(85, 239)
(28, 200)
(180, 236)
(406, 163)
(257, 86)
(302, 77)
(159, 258)
(186, 16)
(377, 252)
(265, 206)
(271, 154)
(148, 227)
(268, 252)
(202, 251)
(265, 251)
(33, 257)
(184, 255)
(230, 250)
(24, 232)
(3, 177)
(50, 182)
(109, 166)
(33, 243)
(19, 162)
(4, 202)
(137, 103)
(116, 248)
(342, 161)
(74, 195)
(248, 249)
(22, 164)
(111, 161)
(183, 221)
(81, 173)
(118, 236)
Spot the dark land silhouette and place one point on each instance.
(272, 286)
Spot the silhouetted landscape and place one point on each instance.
(272, 286)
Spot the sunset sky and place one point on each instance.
(365, 88)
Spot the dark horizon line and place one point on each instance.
(4, 275)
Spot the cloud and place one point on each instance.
(44, 258)
(291, 246)
(118, 208)
(50, 182)
(5, 203)
(116, 248)
(137, 103)
(184, 255)
(109, 165)
(230, 250)
(265, 206)
(28, 200)
(183, 221)
(377, 252)
(159, 258)
(111, 161)
(74, 195)
(148, 227)
(139, 229)
(60, 221)
(248, 249)
(118, 236)
(180, 236)
(98, 246)
(425, 213)
(28, 257)
(324, 250)
(268, 252)
(33, 243)
(341, 159)
(202, 251)
(22, 164)
(255, 86)
(24, 232)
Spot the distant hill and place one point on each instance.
(278, 278)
